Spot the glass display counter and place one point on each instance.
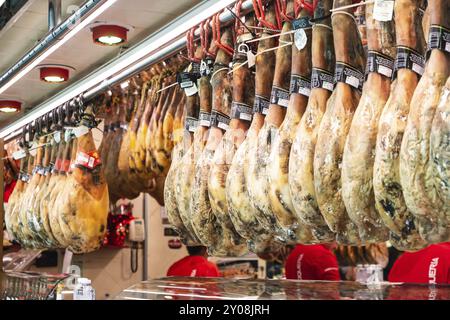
(29, 285)
(185, 288)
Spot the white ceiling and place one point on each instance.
(146, 16)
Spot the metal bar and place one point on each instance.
(158, 56)
(50, 39)
(54, 14)
(136, 59)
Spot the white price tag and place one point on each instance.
(67, 135)
(327, 85)
(251, 57)
(385, 71)
(245, 116)
(80, 131)
(283, 102)
(417, 68)
(383, 10)
(447, 47)
(305, 91)
(191, 90)
(353, 81)
(33, 149)
(300, 39)
(19, 154)
(205, 123)
(222, 126)
(57, 136)
(265, 111)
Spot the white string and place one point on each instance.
(240, 65)
(165, 88)
(271, 36)
(353, 5)
(322, 25)
(217, 71)
(285, 44)
(344, 12)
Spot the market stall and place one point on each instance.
(246, 127)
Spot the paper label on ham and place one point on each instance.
(206, 67)
(439, 38)
(57, 136)
(33, 148)
(190, 124)
(279, 96)
(322, 79)
(408, 58)
(80, 131)
(190, 91)
(300, 39)
(188, 78)
(241, 111)
(204, 119)
(19, 154)
(349, 75)
(219, 120)
(25, 177)
(379, 63)
(300, 85)
(261, 105)
(88, 160)
(383, 10)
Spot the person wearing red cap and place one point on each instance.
(195, 264)
(312, 262)
(429, 265)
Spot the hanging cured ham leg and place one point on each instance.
(186, 170)
(386, 176)
(359, 151)
(183, 142)
(440, 151)
(421, 197)
(14, 200)
(279, 194)
(83, 205)
(258, 184)
(171, 183)
(33, 216)
(204, 222)
(350, 63)
(25, 216)
(242, 212)
(241, 112)
(301, 173)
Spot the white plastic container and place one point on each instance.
(84, 290)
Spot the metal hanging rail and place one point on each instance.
(161, 44)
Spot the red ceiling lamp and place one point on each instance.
(109, 34)
(54, 74)
(10, 106)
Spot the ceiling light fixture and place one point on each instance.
(54, 74)
(77, 28)
(109, 35)
(10, 106)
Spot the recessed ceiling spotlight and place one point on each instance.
(109, 34)
(10, 106)
(54, 73)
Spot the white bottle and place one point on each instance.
(84, 290)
